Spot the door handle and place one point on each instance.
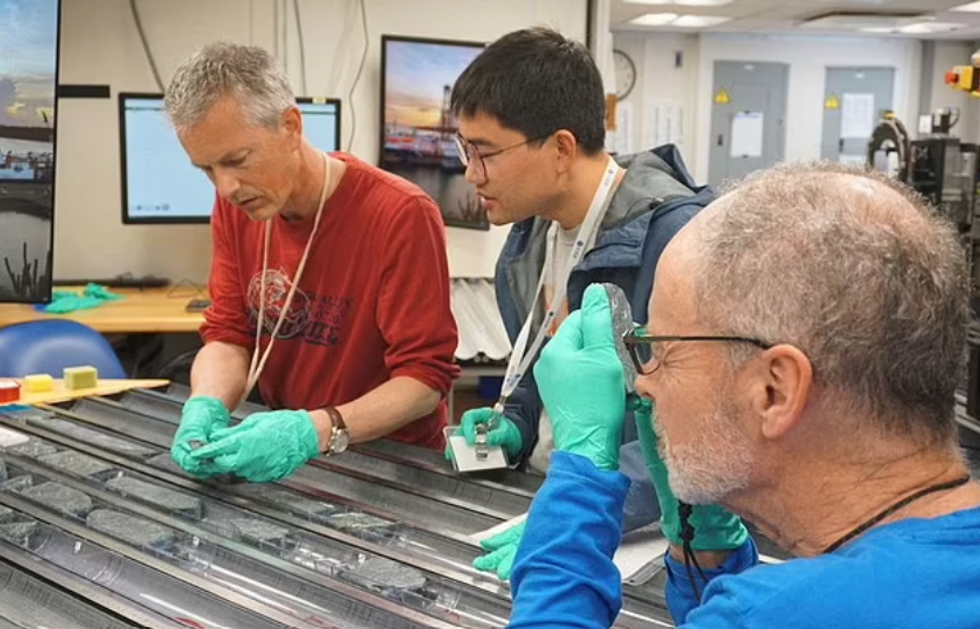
(840, 145)
(721, 140)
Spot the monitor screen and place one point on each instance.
(28, 71)
(418, 130)
(159, 183)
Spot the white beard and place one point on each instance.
(717, 462)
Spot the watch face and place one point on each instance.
(339, 442)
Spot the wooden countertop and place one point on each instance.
(139, 311)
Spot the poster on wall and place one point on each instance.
(418, 130)
(28, 77)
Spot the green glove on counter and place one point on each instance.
(94, 295)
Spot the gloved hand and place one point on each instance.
(263, 448)
(199, 419)
(503, 549)
(580, 379)
(715, 528)
(505, 433)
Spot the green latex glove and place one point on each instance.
(715, 528)
(94, 295)
(580, 379)
(70, 302)
(98, 291)
(200, 418)
(503, 550)
(264, 448)
(505, 434)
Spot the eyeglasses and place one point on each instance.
(646, 360)
(468, 154)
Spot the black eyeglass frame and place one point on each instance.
(633, 341)
(463, 145)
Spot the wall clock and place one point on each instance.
(625, 74)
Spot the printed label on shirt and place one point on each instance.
(315, 319)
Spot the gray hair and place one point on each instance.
(856, 271)
(249, 73)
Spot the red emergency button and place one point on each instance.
(9, 391)
(952, 77)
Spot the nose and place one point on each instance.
(643, 385)
(475, 173)
(226, 183)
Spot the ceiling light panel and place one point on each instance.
(683, 3)
(699, 21)
(654, 19)
(682, 21)
(930, 27)
(843, 21)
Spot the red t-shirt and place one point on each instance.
(372, 304)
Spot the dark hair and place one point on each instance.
(537, 82)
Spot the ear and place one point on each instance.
(292, 123)
(566, 149)
(783, 388)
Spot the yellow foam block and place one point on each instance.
(81, 378)
(38, 383)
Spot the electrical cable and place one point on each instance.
(251, 22)
(357, 77)
(346, 30)
(284, 31)
(146, 45)
(302, 47)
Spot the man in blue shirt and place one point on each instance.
(803, 376)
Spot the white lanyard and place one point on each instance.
(256, 365)
(521, 356)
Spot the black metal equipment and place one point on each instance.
(939, 166)
(944, 170)
(888, 148)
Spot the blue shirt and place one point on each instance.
(911, 574)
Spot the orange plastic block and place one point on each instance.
(9, 391)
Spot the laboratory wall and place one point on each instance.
(677, 73)
(660, 107)
(101, 45)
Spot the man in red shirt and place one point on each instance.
(342, 263)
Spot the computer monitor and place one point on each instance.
(28, 77)
(159, 183)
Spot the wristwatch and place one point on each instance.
(338, 432)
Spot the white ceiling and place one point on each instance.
(785, 16)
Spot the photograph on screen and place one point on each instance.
(28, 76)
(418, 129)
(149, 147)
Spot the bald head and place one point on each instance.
(851, 268)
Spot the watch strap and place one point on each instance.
(336, 425)
(336, 419)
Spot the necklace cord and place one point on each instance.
(884, 513)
